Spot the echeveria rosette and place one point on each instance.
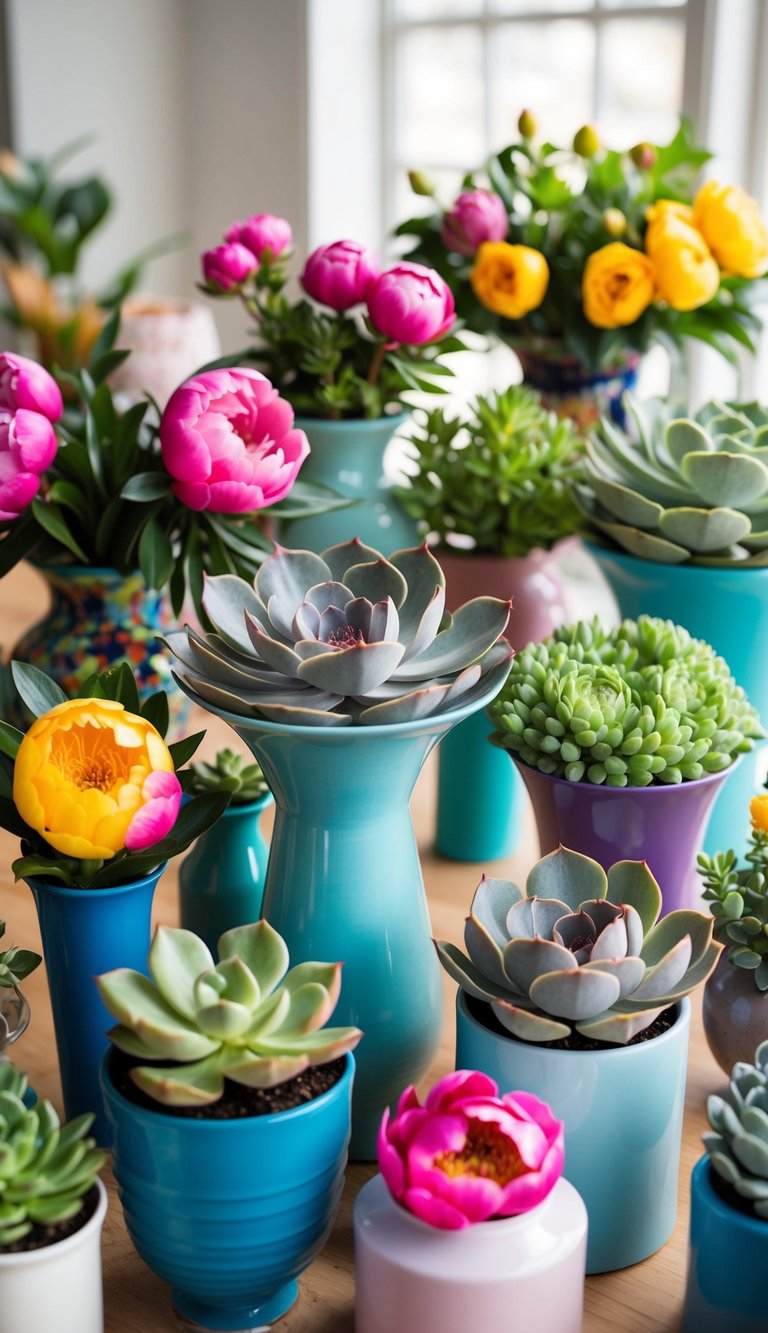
(230, 772)
(738, 898)
(468, 1155)
(738, 1144)
(30, 404)
(246, 1018)
(579, 950)
(343, 637)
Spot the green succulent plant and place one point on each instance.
(245, 1018)
(738, 899)
(738, 1144)
(626, 707)
(579, 950)
(229, 772)
(346, 637)
(503, 477)
(16, 964)
(687, 489)
(46, 1168)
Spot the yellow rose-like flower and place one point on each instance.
(687, 273)
(758, 809)
(664, 209)
(511, 280)
(80, 777)
(730, 222)
(618, 285)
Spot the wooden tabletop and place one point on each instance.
(644, 1299)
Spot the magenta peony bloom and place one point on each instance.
(154, 820)
(30, 401)
(477, 216)
(24, 383)
(228, 441)
(262, 232)
(226, 266)
(411, 304)
(340, 274)
(467, 1154)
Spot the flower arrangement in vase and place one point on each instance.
(15, 965)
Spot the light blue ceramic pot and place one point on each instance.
(729, 608)
(623, 1113)
(230, 1212)
(726, 1263)
(221, 881)
(348, 456)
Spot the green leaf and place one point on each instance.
(27, 867)
(155, 710)
(155, 555)
(10, 739)
(37, 690)
(119, 683)
(51, 519)
(11, 820)
(147, 486)
(18, 543)
(106, 339)
(105, 365)
(181, 751)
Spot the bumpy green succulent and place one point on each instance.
(579, 949)
(16, 964)
(246, 1018)
(738, 1146)
(346, 637)
(738, 899)
(229, 772)
(46, 1168)
(627, 707)
(687, 488)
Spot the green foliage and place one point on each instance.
(45, 219)
(229, 772)
(738, 901)
(502, 477)
(738, 1144)
(16, 964)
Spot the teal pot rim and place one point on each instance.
(351, 424)
(109, 891)
(247, 808)
(683, 1020)
(702, 1185)
(737, 569)
(192, 1126)
(655, 787)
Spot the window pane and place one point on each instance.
(438, 97)
(647, 4)
(640, 98)
(438, 9)
(533, 7)
(547, 67)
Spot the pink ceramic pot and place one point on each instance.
(735, 1014)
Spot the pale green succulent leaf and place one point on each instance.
(567, 876)
(354, 670)
(226, 599)
(525, 960)
(469, 977)
(427, 628)
(266, 1071)
(262, 950)
(726, 479)
(327, 975)
(484, 951)
(476, 627)
(310, 710)
(269, 1014)
(578, 994)
(629, 972)
(527, 1024)
(196, 1084)
(704, 529)
(647, 545)
(615, 1027)
(130, 1042)
(240, 985)
(672, 928)
(755, 1121)
(279, 656)
(322, 1046)
(286, 576)
(310, 1008)
(625, 505)
(423, 575)
(176, 960)
(662, 977)
(224, 1021)
(751, 1152)
(136, 1003)
(682, 436)
(632, 883)
(342, 557)
(532, 917)
(377, 579)
(490, 905)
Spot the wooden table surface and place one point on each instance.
(644, 1299)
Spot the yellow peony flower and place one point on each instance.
(511, 280)
(664, 209)
(758, 809)
(618, 285)
(730, 222)
(83, 779)
(687, 274)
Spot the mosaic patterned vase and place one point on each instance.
(568, 388)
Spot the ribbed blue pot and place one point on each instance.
(729, 608)
(231, 1212)
(623, 1113)
(726, 1263)
(221, 881)
(86, 932)
(348, 456)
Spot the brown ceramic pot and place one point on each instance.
(735, 1014)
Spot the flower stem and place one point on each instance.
(377, 363)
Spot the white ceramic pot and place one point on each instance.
(56, 1289)
(512, 1275)
(169, 340)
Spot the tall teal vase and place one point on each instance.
(348, 456)
(729, 608)
(221, 881)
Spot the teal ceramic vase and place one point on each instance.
(623, 1113)
(729, 608)
(726, 1262)
(571, 389)
(221, 881)
(348, 456)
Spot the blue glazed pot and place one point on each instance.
(726, 1263)
(221, 881)
(623, 1113)
(348, 456)
(727, 607)
(230, 1212)
(570, 389)
(86, 932)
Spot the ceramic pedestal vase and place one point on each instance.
(221, 881)
(169, 340)
(729, 609)
(86, 932)
(348, 456)
(726, 1262)
(623, 1113)
(663, 825)
(230, 1212)
(735, 1014)
(512, 1275)
(479, 794)
(568, 388)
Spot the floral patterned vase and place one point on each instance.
(568, 388)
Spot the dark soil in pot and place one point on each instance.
(484, 1015)
(42, 1235)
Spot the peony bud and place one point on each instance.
(411, 304)
(340, 275)
(421, 184)
(477, 216)
(643, 155)
(527, 124)
(614, 222)
(262, 234)
(586, 141)
(225, 267)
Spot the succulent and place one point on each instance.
(688, 489)
(738, 1145)
(46, 1168)
(229, 772)
(627, 707)
(738, 901)
(245, 1018)
(346, 637)
(16, 964)
(579, 950)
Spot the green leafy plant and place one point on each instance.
(738, 1144)
(626, 707)
(579, 950)
(738, 898)
(501, 477)
(16, 964)
(231, 772)
(246, 1018)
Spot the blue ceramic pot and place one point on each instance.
(86, 932)
(221, 881)
(571, 389)
(348, 456)
(623, 1113)
(727, 607)
(230, 1212)
(726, 1263)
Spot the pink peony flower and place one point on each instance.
(227, 438)
(467, 1154)
(226, 266)
(155, 819)
(23, 383)
(262, 232)
(340, 274)
(476, 216)
(29, 402)
(411, 304)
